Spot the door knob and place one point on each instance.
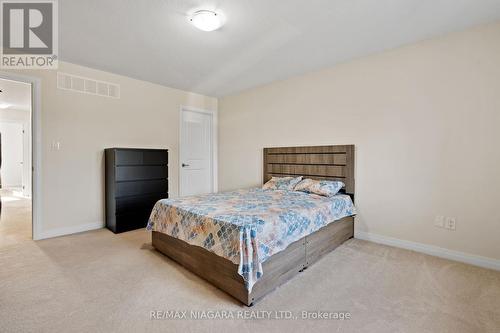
(185, 165)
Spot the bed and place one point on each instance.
(249, 242)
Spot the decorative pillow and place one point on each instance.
(282, 183)
(326, 188)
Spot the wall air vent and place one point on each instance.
(87, 86)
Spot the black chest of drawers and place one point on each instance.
(135, 180)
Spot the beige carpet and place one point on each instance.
(101, 282)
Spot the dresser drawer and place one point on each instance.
(140, 157)
(141, 187)
(138, 203)
(132, 220)
(155, 157)
(128, 157)
(131, 173)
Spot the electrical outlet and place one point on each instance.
(451, 223)
(439, 221)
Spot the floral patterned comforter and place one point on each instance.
(247, 226)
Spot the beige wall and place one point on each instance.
(425, 120)
(146, 116)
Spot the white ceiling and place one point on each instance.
(15, 94)
(262, 40)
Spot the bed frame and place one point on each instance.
(321, 162)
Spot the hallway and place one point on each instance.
(15, 218)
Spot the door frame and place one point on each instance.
(214, 144)
(36, 148)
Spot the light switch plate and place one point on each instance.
(56, 145)
(451, 223)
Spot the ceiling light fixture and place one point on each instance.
(4, 105)
(206, 20)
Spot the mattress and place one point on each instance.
(247, 226)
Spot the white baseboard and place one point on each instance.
(69, 230)
(432, 250)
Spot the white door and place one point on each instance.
(196, 153)
(12, 155)
(27, 160)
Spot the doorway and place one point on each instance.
(198, 154)
(15, 160)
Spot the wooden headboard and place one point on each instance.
(316, 162)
